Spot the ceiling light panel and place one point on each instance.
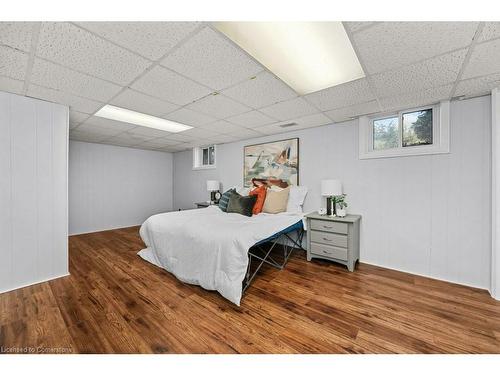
(141, 119)
(308, 56)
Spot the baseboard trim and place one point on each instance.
(33, 283)
(427, 276)
(105, 230)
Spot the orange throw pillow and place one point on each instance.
(260, 192)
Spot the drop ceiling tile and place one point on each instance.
(99, 130)
(13, 63)
(110, 124)
(222, 138)
(86, 136)
(310, 121)
(175, 148)
(415, 99)
(122, 141)
(251, 119)
(211, 59)
(196, 143)
(198, 133)
(354, 27)
(274, 129)
(149, 39)
(157, 143)
(218, 106)
(164, 141)
(491, 30)
(11, 85)
(80, 50)
(343, 95)
(150, 132)
(245, 134)
(262, 90)
(76, 117)
(189, 117)
(478, 86)
(57, 77)
(286, 110)
(172, 87)
(430, 73)
(222, 127)
(484, 60)
(390, 45)
(136, 101)
(17, 34)
(318, 119)
(74, 102)
(346, 113)
(131, 137)
(181, 137)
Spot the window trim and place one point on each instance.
(198, 157)
(440, 134)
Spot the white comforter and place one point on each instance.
(208, 247)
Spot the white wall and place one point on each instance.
(114, 187)
(33, 191)
(427, 215)
(495, 185)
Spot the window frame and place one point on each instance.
(198, 157)
(440, 133)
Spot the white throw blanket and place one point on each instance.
(208, 247)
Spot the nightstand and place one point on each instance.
(333, 238)
(204, 204)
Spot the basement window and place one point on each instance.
(416, 131)
(204, 157)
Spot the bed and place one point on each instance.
(216, 250)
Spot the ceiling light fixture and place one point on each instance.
(137, 118)
(308, 56)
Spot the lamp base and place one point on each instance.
(331, 209)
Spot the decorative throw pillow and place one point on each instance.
(276, 201)
(224, 200)
(296, 199)
(260, 192)
(241, 205)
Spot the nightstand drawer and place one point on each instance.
(328, 226)
(331, 239)
(329, 251)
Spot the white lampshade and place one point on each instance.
(331, 187)
(213, 185)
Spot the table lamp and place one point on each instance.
(331, 189)
(213, 188)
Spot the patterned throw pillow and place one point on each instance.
(224, 200)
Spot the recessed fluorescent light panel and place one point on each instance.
(308, 56)
(132, 117)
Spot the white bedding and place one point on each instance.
(208, 247)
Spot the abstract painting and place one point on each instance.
(271, 162)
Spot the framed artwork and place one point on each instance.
(272, 163)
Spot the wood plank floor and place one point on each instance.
(114, 302)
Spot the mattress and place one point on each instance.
(208, 247)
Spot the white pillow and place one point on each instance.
(296, 199)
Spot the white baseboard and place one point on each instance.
(33, 283)
(427, 276)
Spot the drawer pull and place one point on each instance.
(327, 252)
(327, 227)
(327, 239)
